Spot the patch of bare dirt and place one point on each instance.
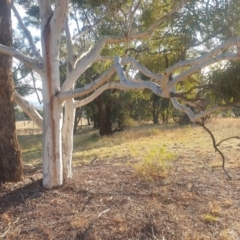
(105, 200)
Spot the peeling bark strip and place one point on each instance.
(49, 69)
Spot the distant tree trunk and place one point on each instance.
(104, 117)
(10, 154)
(95, 120)
(108, 122)
(78, 115)
(88, 120)
(155, 112)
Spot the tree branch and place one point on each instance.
(82, 53)
(136, 85)
(45, 11)
(207, 62)
(28, 109)
(222, 47)
(87, 88)
(26, 87)
(59, 17)
(37, 67)
(215, 146)
(70, 53)
(96, 83)
(182, 94)
(235, 137)
(195, 117)
(142, 69)
(93, 56)
(81, 67)
(84, 31)
(130, 18)
(98, 92)
(27, 34)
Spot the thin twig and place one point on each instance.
(5, 233)
(90, 163)
(9, 226)
(215, 147)
(103, 212)
(237, 137)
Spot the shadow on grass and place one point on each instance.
(84, 140)
(30, 141)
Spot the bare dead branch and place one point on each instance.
(215, 146)
(235, 137)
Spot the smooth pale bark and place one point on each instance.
(207, 62)
(196, 117)
(52, 110)
(69, 113)
(67, 138)
(36, 66)
(100, 90)
(87, 88)
(28, 109)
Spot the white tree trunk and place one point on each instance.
(67, 138)
(52, 147)
(52, 121)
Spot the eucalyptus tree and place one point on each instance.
(58, 21)
(10, 153)
(190, 34)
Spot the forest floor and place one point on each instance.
(108, 199)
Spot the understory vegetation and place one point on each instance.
(148, 182)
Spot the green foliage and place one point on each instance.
(208, 218)
(33, 16)
(175, 40)
(225, 83)
(154, 164)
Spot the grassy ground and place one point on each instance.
(108, 199)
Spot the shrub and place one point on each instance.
(154, 164)
(208, 218)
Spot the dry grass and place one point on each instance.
(107, 200)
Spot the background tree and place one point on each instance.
(10, 154)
